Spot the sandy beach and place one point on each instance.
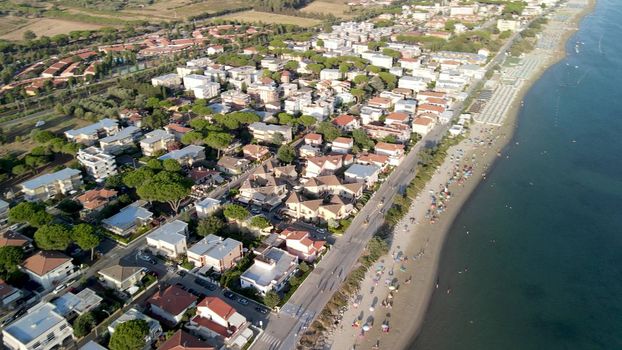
(412, 263)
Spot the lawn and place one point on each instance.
(41, 26)
(335, 8)
(255, 16)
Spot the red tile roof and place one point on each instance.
(343, 120)
(173, 300)
(213, 326)
(218, 306)
(45, 261)
(184, 341)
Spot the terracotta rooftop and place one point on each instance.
(389, 146)
(423, 121)
(343, 120)
(12, 239)
(218, 306)
(45, 261)
(173, 300)
(184, 341)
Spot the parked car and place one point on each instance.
(243, 301)
(262, 310)
(229, 295)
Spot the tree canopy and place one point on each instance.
(210, 225)
(328, 130)
(235, 212)
(85, 237)
(52, 237)
(167, 187)
(10, 257)
(32, 213)
(129, 335)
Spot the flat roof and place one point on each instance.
(188, 151)
(126, 218)
(155, 136)
(80, 303)
(263, 274)
(49, 178)
(92, 129)
(92, 345)
(214, 246)
(360, 170)
(171, 232)
(36, 322)
(123, 133)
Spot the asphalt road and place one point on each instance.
(309, 300)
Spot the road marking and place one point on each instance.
(270, 340)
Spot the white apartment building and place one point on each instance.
(380, 60)
(192, 81)
(117, 143)
(169, 239)
(330, 74)
(207, 90)
(265, 132)
(97, 163)
(47, 186)
(155, 141)
(214, 252)
(171, 80)
(270, 271)
(91, 133)
(42, 328)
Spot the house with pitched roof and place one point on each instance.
(342, 145)
(379, 160)
(214, 252)
(315, 210)
(300, 244)
(217, 319)
(313, 139)
(48, 268)
(182, 340)
(8, 293)
(423, 125)
(95, 200)
(10, 238)
(346, 122)
(255, 152)
(331, 185)
(326, 165)
(266, 186)
(120, 277)
(171, 303)
(395, 152)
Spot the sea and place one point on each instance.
(534, 260)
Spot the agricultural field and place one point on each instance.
(255, 16)
(336, 8)
(12, 30)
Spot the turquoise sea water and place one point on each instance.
(544, 243)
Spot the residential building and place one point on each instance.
(236, 99)
(315, 210)
(91, 133)
(95, 200)
(370, 114)
(41, 328)
(379, 160)
(342, 145)
(263, 132)
(207, 90)
(508, 24)
(414, 83)
(330, 74)
(206, 207)
(346, 122)
(423, 125)
(182, 340)
(380, 60)
(186, 156)
(255, 152)
(395, 152)
(263, 187)
(48, 268)
(44, 187)
(177, 130)
(155, 141)
(80, 303)
(217, 319)
(326, 165)
(380, 102)
(98, 164)
(169, 239)
(171, 80)
(378, 132)
(92, 345)
(171, 303)
(214, 252)
(262, 93)
(367, 174)
(128, 219)
(270, 271)
(119, 142)
(192, 81)
(300, 244)
(10, 238)
(8, 294)
(331, 185)
(406, 106)
(313, 139)
(155, 330)
(233, 166)
(120, 277)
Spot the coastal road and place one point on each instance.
(283, 329)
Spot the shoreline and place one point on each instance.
(426, 241)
